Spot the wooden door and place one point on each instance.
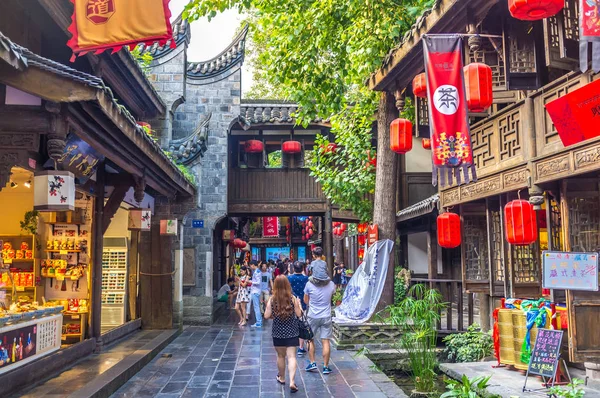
(475, 259)
(580, 207)
(497, 248)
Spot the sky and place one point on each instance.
(210, 38)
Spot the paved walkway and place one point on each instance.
(229, 361)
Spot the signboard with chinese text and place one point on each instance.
(570, 271)
(373, 234)
(79, 158)
(546, 352)
(277, 253)
(270, 227)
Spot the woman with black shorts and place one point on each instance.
(284, 308)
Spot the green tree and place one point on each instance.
(318, 53)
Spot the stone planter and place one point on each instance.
(370, 335)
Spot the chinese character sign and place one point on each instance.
(570, 271)
(79, 158)
(589, 32)
(270, 227)
(450, 136)
(546, 352)
(99, 25)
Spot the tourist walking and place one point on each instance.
(317, 295)
(285, 309)
(337, 275)
(298, 282)
(255, 291)
(266, 286)
(243, 296)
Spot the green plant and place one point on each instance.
(471, 346)
(337, 296)
(465, 388)
(30, 225)
(418, 315)
(274, 160)
(401, 284)
(572, 391)
(143, 59)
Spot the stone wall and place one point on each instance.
(190, 101)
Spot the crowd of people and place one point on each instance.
(285, 291)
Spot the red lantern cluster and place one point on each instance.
(239, 244)
(448, 230)
(478, 86)
(339, 228)
(520, 223)
(308, 228)
(291, 147)
(420, 86)
(401, 136)
(361, 254)
(533, 10)
(426, 143)
(253, 146)
(362, 229)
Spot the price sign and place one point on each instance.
(570, 270)
(545, 354)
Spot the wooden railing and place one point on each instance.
(459, 312)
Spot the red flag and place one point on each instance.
(450, 135)
(270, 227)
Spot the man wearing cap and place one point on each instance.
(317, 295)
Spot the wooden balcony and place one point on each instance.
(274, 191)
(520, 143)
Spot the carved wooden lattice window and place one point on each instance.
(561, 35)
(522, 51)
(497, 238)
(476, 247)
(584, 223)
(491, 56)
(422, 116)
(510, 137)
(483, 153)
(555, 238)
(525, 263)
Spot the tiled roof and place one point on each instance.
(181, 33)
(230, 57)
(268, 112)
(186, 150)
(418, 209)
(10, 55)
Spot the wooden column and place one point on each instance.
(132, 284)
(432, 251)
(328, 238)
(97, 247)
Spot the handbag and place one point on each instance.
(304, 330)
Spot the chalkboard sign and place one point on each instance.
(544, 357)
(570, 271)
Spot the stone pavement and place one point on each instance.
(229, 361)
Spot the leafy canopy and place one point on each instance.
(318, 53)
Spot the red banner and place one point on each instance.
(99, 25)
(270, 227)
(576, 115)
(450, 136)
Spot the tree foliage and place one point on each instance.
(318, 53)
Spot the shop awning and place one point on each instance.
(405, 61)
(95, 115)
(418, 209)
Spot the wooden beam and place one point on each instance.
(97, 248)
(19, 119)
(112, 205)
(46, 85)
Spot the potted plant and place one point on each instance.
(337, 297)
(30, 225)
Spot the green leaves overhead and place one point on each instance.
(319, 53)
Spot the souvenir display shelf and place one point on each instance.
(18, 275)
(114, 281)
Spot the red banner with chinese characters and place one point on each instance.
(270, 227)
(589, 32)
(99, 25)
(576, 115)
(450, 136)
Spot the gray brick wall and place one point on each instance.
(222, 98)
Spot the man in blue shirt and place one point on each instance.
(298, 281)
(255, 291)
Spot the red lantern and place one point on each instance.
(448, 230)
(362, 228)
(420, 86)
(478, 86)
(307, 237)
(521, 223)
(362, 239)
(343, 227)
(426, 143)
(310, 223)
(401, 136)
(291, 147)
(361, 254)
(533, 10)
(253, 146)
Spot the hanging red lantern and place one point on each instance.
(521, 223)
(401, 135)
(238, 243)
(291, 147)
(426, 143)
(419, 85)
(343, 227)
(478, 86)
(361, 254)
(533, 10)
(362, 228)
(362, 239)
(448, 230)
(310, 231)
(253, 146)
(310, 223)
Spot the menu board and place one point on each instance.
(544, 357)
(570, 271)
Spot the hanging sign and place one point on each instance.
(373, 234)
(270, 227)
(53, 191)
(576, 114)
(99, 25)
(168, 227)
(79, 158)
(589, 32)
(570, 271)
(139, 220)
(450, 135)
(228, 235)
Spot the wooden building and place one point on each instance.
(517, 152)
